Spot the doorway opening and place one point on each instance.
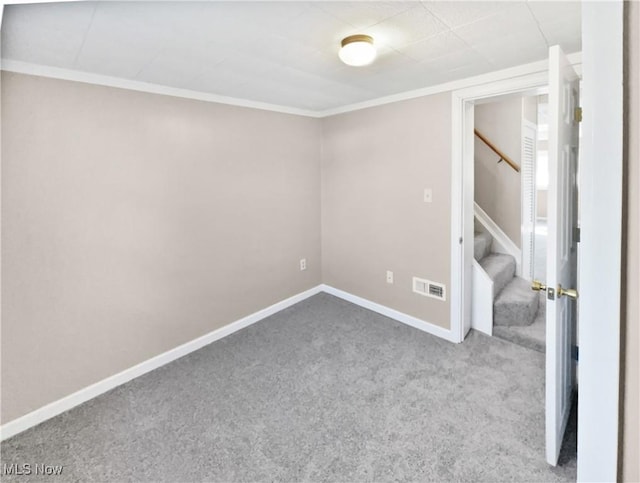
(511, 179)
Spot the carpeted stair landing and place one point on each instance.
(516, 308)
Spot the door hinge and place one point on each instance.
(576, 234)
(577, 114)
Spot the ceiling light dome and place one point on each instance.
(357, 50)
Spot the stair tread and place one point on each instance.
(518, 290)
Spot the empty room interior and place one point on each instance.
(320, 241)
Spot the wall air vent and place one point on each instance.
(429, 289)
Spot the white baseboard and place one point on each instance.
(72, 400)
(392, 313)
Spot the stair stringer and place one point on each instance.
(481, 300)
(501, 242)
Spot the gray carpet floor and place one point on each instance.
(322, 391)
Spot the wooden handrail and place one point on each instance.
(503, 157)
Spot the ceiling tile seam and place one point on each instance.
(487, 60)
(84, 37)
(440, 19)
(158, 53)
(485, 17)
(315, 6)
(312, 49)
(295, 17)
(466, 24)
(155, 57)
(434, 15)
(396, 51)
(149, 63)
(535, 19)
(319, 7)
(451, 31)
(405, 11)
(421, 39)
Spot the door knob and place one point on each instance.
(538, 285)
(569, 292)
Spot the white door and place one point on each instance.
(561, 247)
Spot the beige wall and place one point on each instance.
(133, 222)
(376, 164)
(497, 186)
(631, 308)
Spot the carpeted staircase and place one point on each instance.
(518, 314)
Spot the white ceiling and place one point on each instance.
(285, 53)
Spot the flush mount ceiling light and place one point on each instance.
(357, 50)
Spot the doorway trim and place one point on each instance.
(462, 190)
(601, 177)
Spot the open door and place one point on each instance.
(564, 92)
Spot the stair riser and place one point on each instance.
(482, 245)
(517, 304)
(514, 314)
(542, 304)
(501, 269)
(502, 279)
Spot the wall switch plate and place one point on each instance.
(389, 276)
(303, 264)
(428, 195)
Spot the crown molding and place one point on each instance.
(86, 77)
(499, 75)
(20, 67)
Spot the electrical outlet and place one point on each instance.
(303, 264)
(389, 276)
(428, 195)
